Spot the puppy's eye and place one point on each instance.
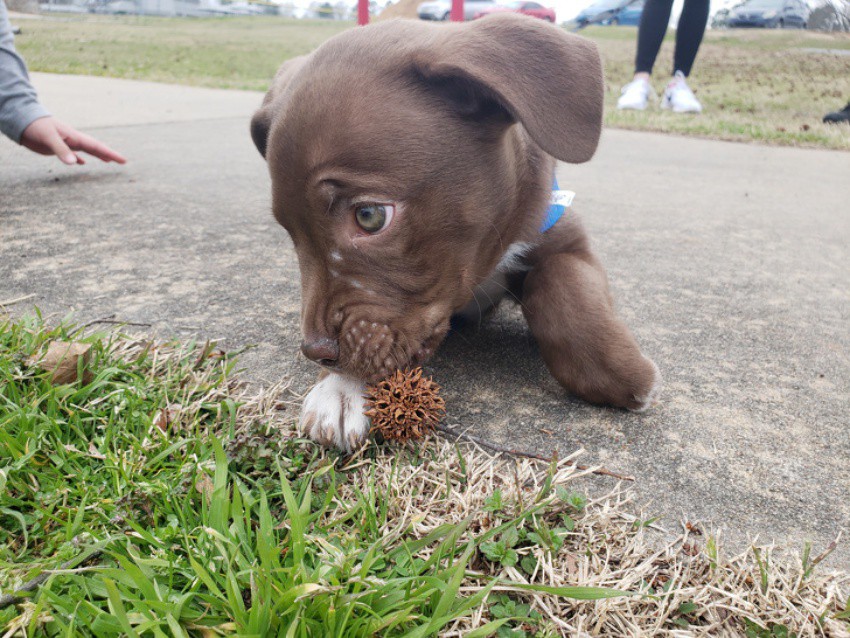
(373, 218)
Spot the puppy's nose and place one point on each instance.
(323, 351)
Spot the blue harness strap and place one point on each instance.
(561, 200)
(555, 212)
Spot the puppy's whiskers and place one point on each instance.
(396, 359)
(507, 290)
(480, 309)
(407, 353)
(499, 237)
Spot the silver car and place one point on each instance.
(442, 9)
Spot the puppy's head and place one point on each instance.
(398, 160)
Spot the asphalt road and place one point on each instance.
(731, 263)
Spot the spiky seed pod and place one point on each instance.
(405, 406)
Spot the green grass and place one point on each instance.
(160, 502)
(755, 86)
(233, 53)
(760, 86)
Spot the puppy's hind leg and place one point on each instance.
(586, 347)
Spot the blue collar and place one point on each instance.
(561, 200)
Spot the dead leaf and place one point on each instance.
(572, 566)
(63, 359)
(205, 486)
(94, 453)
(166, 416)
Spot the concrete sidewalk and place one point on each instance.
(730, 262)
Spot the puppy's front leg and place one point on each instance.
(332, 413)
(586, 347)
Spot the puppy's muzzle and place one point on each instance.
(323, 351)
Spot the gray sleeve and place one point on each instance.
(19, 105)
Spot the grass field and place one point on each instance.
(239, 53)
(765, 86)
(156, 496)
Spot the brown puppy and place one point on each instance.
(412, 165)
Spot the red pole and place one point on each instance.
(363, 12)
(457, 11)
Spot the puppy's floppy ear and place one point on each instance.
(545, 78)
(260, 125)
(273, 102)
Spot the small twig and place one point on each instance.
(447, 431)
(75, 570)
(12, 302)
(111, 320)
(829, 549)
(495, 447)
(14, 598)
(205, 352)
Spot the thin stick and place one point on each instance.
(111, 320)
(449, 432)
(829, 549)
(14, 598)
(12, 302)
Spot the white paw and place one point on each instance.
(332, 413)
(650, 399)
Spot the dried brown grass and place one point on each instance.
(609, 547)
(612, 545)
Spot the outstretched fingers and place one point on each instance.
(49, 136)
(86, 143)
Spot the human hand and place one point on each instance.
(49, 136)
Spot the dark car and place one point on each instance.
(720, 19)
(603, 12)
(533, 9)
(769, 14)
(442, 9)
(629, 16)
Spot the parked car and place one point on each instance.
(769, 14)
(442, 9)
(628, 16)
(525, 7)
(603, 12)
(720, 19)
(117, 7)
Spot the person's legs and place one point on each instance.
(653, 26)
(678, 96)
(689, 34)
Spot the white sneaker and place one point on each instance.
(635, 95)
(678, 96)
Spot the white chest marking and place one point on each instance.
(512, 259)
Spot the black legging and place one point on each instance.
(653, 26)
